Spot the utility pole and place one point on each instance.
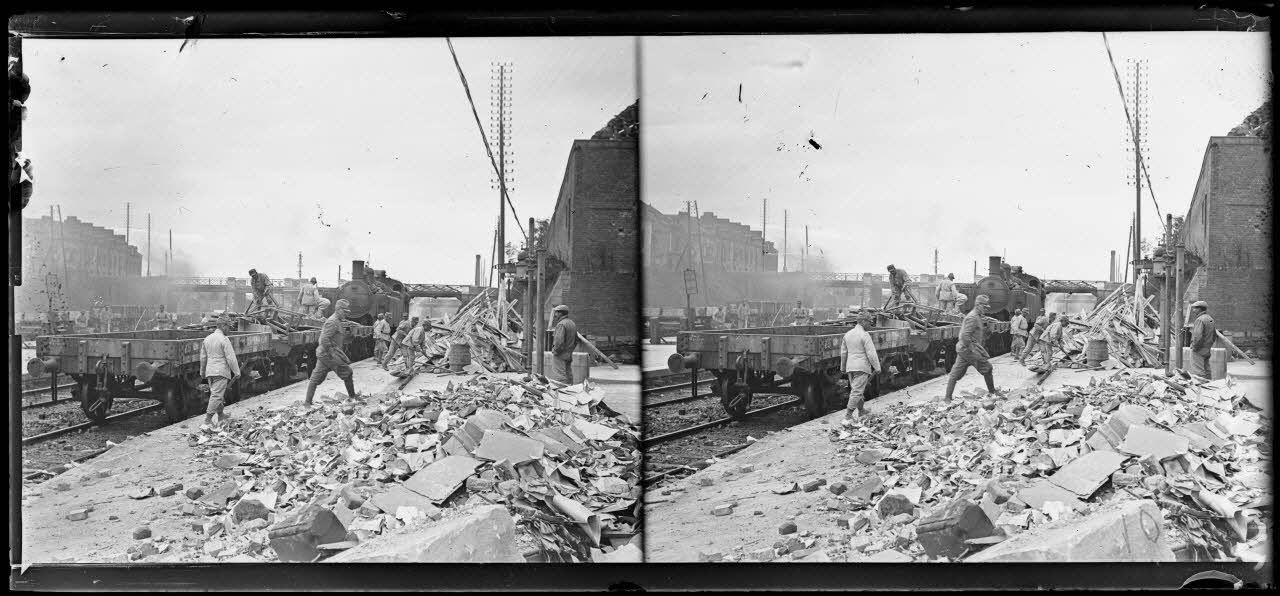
(299, 265)
(1165, 323)
(975, 272)
(148, 245)
(805, 252)
(126, 223)
(785, 223)
(935, 260)
(500, 128)
(1129, 245)
(1136, 136)
(166, 265)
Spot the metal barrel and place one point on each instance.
(1096, 352)
(581, 366)
(459, 355)
(1217, 363)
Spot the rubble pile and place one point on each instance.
(492, 348)
(1185, 457)
(1129, 345)
(316, 482)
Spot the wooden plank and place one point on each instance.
(1238, 351)
(597, 352)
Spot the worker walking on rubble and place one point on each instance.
(970, 350)
(330, 356)
(946, 293)
(860, 362)
(1033, 339)
(402, 330)
(1052, 338)
(564, 339)
(381, 336)
(309, 298)
(901, 286)
(219, 367)
(415, 342)
(261, 285)
(1204, 333)
(1018, 326)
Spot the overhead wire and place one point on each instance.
(1133, 131)
(487, 148)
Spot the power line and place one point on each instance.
(1123, 101)
(487, 149)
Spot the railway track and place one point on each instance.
(690, 430)
(53, 434)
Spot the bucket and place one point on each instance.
(459, 355)
(581, 366)
(1217, 363)
(1096, 352)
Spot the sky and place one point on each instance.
(973, 145)
(254, 150)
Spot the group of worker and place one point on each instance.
(1048, 333)
(949, 298)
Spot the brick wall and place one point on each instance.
(1235, 276)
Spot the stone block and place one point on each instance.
(1130, 531)
(296, 538)
(141, 532)
(787, 528)
(194, 493)
(942, 534)
(78, 514)
(169, 490)
(894, 504)
(486, 534)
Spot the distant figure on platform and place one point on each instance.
(330, 356)
(901, 286)
(860, 362)
(381, 336)
(1204, 332)
(164, 320)
(218, 365)
(564, 339)
(261, 285)
(402, 330)
(1018, 326)
(970, 350)
(947, 293)
(1052, 339)
(309, 298)
(1033, 339)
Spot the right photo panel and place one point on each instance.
(957, 298)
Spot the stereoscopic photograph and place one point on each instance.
(938, 298)
(328, 300)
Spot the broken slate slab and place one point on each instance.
(1149, 440)
(1086, 474)
(1042, 490)
(593, 431)
(441, 478)
(498, 445)
(231, 460)
(221, 495)
(1131, 531)
(864, 490)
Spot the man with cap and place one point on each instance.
(309, 298)
(970, 350)
(1033, 339)
(330, 356)
(946, 293)
(1204, 332)
(219, 366)
(402, 330)
(261, 285)
(901, 286)
(415, 342)
(860, 362)
(165, 320)
(1018, 326)
(381, 336)
(564, 339)
(1052, 338)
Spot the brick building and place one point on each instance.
(1228, 237)
(592, 235)
(726, 245)
(91, 253)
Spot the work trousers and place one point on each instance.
(217, 394)
(1199, 365)
(391, 352)
(1046, 349)
(976, 357)
(1031, 347)
(857, 390)
(1019, 342)
(380, 348)
(948, 306)
(902, 295)
(562, 369)
(336, 360)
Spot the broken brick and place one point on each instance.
(194, 493)
(943, 534)
(297, 538)
(838, 488)
(894, 504)
(141, 532)
(78, 514)
(787, 528)
(811, 485)
(170, 489)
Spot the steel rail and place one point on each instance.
(88, 425)
(684, 432)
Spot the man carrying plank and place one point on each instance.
(970, 350)
(901, 286)
(564, 339)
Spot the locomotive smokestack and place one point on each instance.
(357, 269)
(993, 265)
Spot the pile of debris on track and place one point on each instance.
(410, 476)
(1135, 466)
(493, 345)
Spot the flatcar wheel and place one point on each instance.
(282, 372)
(95, 403)
(175, 406)
(736, 398)
(814, 398)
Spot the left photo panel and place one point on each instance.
(326, 300)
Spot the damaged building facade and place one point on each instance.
(84, 259)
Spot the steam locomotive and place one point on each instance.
(1009, 289)
(369, 292)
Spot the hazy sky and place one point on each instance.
(254, 150)
(975, 145)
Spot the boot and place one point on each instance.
(351, 388)
(951, 388)
(311, 393)
(991, 384)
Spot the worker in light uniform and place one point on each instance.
(564, 339)
(1052, 338)
(901, 286)
(219, 367)
(261, 285)
(1204, 333)
(330, 356)
(309, 298)
(415, 343)
(1018, 327)
(164, 320)
(401, 331)
(970, 350)
(860, 363)
(1033, 338)
(946, 293)
(381, 336)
